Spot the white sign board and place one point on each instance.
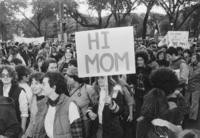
(163, 41)
(178, 39)
(105, 52)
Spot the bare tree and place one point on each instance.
(149, 5)
(174, 9)
(85, 20)
(121, 9)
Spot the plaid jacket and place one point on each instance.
(77, 127)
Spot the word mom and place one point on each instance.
(98, 60)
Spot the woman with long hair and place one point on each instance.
(10, 88)
(108, 109)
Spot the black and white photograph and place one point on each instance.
(99, 68)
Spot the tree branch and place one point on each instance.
(195, 7)
(35, 26)
(107, 21)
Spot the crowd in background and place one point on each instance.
(51, 101)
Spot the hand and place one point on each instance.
(177, 92)
(130, 118)
(92, 115)
(108, 100)
(160, 122)
(140, 118)
(172, 105)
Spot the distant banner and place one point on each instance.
(36, 40)
(176, 39)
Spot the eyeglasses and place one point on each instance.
(5, 75)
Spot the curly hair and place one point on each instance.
(158, 53)
(58, 80)
(16, 61)
(187, 51)
(11, 71)
(171, 51)
(165, 79)
(22, 71)
(38, 76)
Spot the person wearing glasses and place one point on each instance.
(10, 88)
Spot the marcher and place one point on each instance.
(82, 93)
(109, 109)
(61, 117)
(140, 80)
(37, 104)
(10, 88)
(161, 102)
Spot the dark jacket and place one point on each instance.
(110, 120)
(9, 125)
(140, 80)
(14, 93)
(194, 79)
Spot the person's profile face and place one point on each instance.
(169, 57)
(47, 89)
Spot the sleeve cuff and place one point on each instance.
(24, 115)
(115, 107)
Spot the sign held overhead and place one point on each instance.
(105, 52)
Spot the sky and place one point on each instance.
(83, 8)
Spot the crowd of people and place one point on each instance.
(42, 95)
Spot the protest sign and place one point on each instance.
(178, 39)
(163, 41)
(175, 39)
(105, 52)
(34, 40)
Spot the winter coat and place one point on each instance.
(193, 82)
(181, 66)
(110, 119)
(9, 125)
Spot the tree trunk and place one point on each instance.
(99, 19)
(45, 37)
(144, 31)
